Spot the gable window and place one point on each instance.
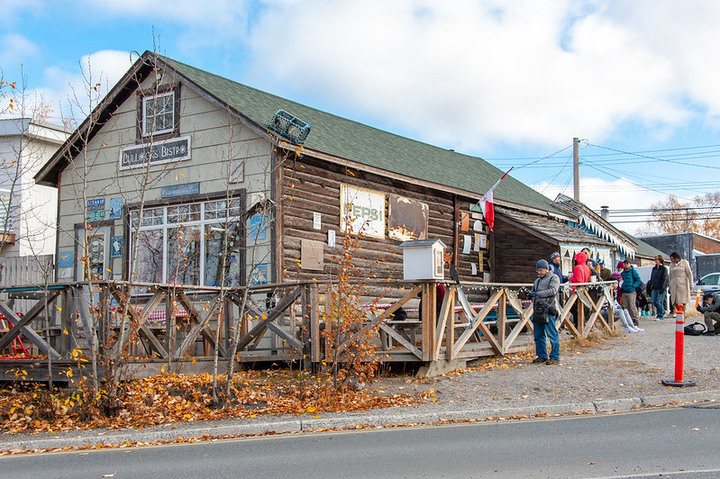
(158, 114)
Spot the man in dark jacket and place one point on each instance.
(711, 312)
(555, 262)
(658, 286)
(544, 294)
(631, 281)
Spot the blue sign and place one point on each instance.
(116, 208)
(259, 274)
(180, 190)
(66, 259)
(116, 246)
(257, 227)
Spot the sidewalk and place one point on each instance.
(618, 374)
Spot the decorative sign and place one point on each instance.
(176, 149)
(116, 208)
(311, 255)
(259, 274)
(362, 211)
(185, 189)
(95, 209)
(66, 259)
(116, 246)
(256, 227)
(407, 218)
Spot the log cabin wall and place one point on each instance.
(516, 252)
(309, 186)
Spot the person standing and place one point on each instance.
(680, 279)
(631, 281)
(555, 266)
(544, 294)
(658, 286)
(711, 313)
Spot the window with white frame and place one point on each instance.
(158, 114)
(186, 244)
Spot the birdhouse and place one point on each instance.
(423, 259)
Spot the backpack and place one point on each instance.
(695, 329)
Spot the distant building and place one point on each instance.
(698, 249)
(28, 211)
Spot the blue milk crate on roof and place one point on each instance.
(290, 127)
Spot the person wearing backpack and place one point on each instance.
(631, 281)
(711, 313)
(544, 295)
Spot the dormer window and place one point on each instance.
(158, 113)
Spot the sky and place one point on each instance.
(510, 81)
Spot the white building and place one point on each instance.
(28, 212)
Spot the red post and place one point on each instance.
(679, 350)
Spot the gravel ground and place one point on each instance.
(626, 366)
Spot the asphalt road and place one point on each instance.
(675, 442)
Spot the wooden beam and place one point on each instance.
(34, 338)
(32, 314)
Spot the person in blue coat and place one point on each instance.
(630, 282)
(555, 262)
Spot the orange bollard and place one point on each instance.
(679, 350)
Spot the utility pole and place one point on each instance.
(576, 168)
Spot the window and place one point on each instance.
(158, 114)
(186, 244)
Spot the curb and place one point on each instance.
(175, 432)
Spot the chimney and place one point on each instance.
(605, 213)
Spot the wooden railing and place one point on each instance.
(175, 327)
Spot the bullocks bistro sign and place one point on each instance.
(176, 149)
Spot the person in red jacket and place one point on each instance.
(581, 272)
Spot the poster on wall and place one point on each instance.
(116, 208)
(407, 219)
(259, 274)
(256, 227)
(95, 209)
(362, 211)
(66, 259)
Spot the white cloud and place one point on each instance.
(73, 94)
(621, 194)
(15, 49)
(468, 74)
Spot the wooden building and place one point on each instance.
(194, 178)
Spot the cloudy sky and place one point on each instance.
(511, 81)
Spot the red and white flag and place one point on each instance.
(486, 203)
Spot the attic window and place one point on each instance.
(159, 114)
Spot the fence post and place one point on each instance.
(429, 300)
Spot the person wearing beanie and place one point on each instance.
(545, 308)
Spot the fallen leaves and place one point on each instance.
(169, 398)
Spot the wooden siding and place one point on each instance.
(516, 252)
(310, 185)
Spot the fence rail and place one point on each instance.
(181, 328)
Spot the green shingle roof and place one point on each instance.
(350, 140)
